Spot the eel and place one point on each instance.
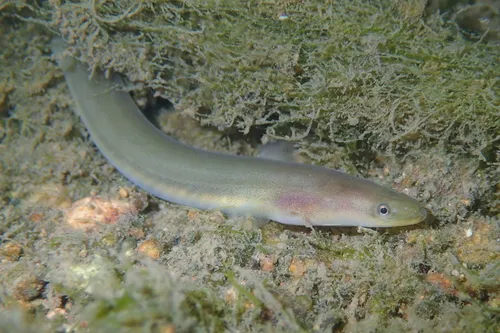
(242, 186)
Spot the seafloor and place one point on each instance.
(388, 90)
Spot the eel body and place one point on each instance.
(285, 192)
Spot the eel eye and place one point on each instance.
(383, 210)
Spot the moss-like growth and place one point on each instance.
(341, 72)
